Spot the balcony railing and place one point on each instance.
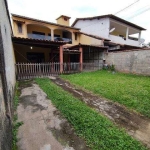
(63, 39)
(46, 37)
(121, 40)
(40, 37)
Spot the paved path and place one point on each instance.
(43, 127)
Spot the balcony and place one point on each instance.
(121, 40)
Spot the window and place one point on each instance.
(76, 36)
(65, 19)
(19, 27)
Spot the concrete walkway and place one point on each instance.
(43, 126)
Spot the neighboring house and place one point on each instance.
(7, 77)
(38, 41)
(118, 31)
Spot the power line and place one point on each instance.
(139, 13)
(126, 7)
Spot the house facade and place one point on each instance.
(117, 30)
(38, 41)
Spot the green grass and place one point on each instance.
(98, 131)
(16, 124)
(133, 91)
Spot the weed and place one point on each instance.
(16, 124)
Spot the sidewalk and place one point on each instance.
(43, 126)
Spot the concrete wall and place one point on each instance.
(5, 125)
(135, 61)
(7, 77)
(96, 27)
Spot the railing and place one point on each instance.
(40, 37)
(62, 39)
(37, 70)
(46, 37)
(121, 40)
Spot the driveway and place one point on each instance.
(43, 126)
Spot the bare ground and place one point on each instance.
(43, 126)
(135, 124)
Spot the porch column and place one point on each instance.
(81, 58)
(61, 58)
(139, 36)
(52, 34)
(127, 33)
(25, 30)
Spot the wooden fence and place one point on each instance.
(37, 70)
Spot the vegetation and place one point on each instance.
(16, 124)
(98, 131)
(133, 91)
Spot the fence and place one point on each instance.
(32, 70)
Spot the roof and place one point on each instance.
(94, 36)
(63, 16)
(24, 17)
(85, 45)
(109, 16)
(29, 41)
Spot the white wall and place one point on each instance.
(7, 45)
(96, 27)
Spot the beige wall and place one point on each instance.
(37, 28)
(62, 21)
(84, 39)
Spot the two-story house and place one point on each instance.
(38, 41)
(118, 31)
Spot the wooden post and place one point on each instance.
(61, 58)
(81, 58)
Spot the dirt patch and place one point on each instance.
(43, 126)
(135, 124)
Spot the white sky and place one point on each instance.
(49, 10)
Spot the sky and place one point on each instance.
(49, 10)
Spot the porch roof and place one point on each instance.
(84, 45)
(37, 42)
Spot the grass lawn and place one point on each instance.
(133, 91)
(98, 131)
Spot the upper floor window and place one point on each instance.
(76, 35)
(19, 27)
(65, 19)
